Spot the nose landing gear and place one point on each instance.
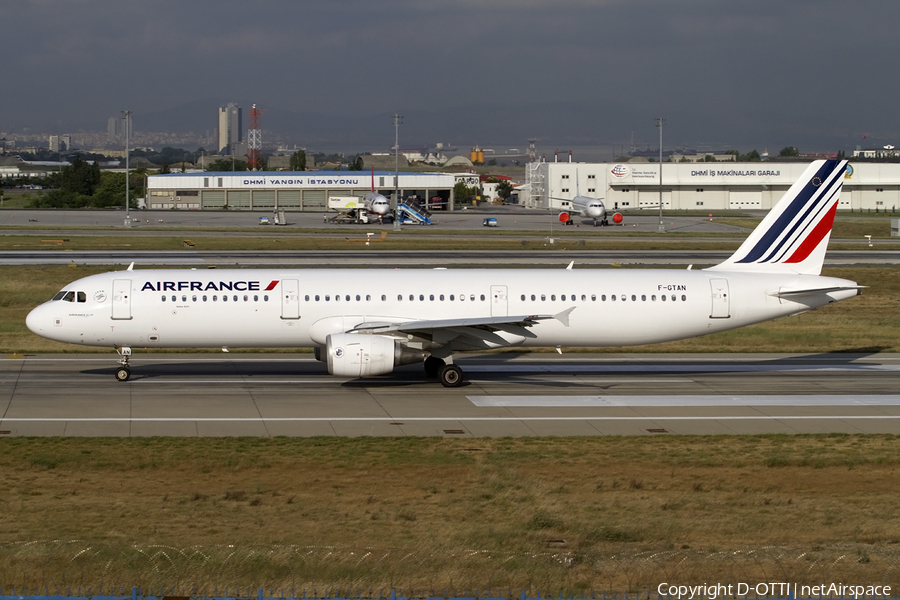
(123, 373)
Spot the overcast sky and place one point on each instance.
(819, 74)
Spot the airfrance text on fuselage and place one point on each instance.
(206, 286)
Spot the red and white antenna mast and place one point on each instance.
(254, 141)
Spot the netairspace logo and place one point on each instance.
(778, 589)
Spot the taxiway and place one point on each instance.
(506, 395)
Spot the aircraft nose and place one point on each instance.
(37, 320)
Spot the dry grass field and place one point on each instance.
(544, 515)
(573, 514)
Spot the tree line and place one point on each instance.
(83, 185)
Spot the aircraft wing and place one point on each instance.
(481, 328)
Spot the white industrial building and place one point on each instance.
(699, 186)
(290, 190)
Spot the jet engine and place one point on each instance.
(361, 355)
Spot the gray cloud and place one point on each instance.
(816, 73)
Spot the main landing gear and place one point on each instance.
(123, 373)
(449, 375)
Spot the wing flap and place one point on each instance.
(488, 323)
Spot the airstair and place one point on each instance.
(412, 211)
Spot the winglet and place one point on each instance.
(130, 267)
(563, 317)
(571, 264)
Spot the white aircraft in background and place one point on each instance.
(376, 203)
(586, 206)
(366, 322)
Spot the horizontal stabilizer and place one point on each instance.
(788, 292)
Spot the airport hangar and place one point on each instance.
(699, 186)
(293, 190)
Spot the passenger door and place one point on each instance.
(121, 299)
(721, 304)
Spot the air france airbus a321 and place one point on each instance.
(367, 322)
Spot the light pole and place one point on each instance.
(660, 123)
(395, 201)
(126, 115)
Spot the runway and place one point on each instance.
(506, 395)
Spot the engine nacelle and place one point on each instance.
(361, 355)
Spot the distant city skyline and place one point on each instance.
(744, 74)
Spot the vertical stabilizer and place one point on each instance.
(794, 235)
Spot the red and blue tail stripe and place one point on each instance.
(794, 234)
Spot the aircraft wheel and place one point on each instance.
(450, 376)
(433, 366)
(123, 374)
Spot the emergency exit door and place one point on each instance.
(290, 299)
(499, 303)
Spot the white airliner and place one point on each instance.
(376, 203)
(586, 206)
(367, 322)
(593, 208)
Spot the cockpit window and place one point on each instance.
(69, 297)
(60, 295)
(82, 297)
